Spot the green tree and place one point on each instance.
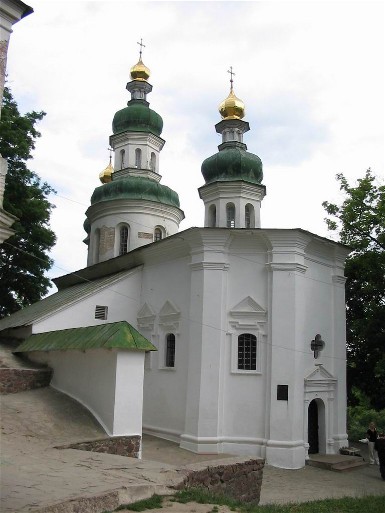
(360, 222)
(24, 257)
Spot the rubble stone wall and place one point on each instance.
(19, 380)
(120, 445)
(241, 481)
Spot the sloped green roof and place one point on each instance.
(115, 335)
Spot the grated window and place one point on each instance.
(170, 350)
(247, 352)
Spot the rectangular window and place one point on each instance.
(170, 350)
(101, 312)
(247, 352)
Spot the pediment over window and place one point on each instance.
(319, 375)
(169, 313)
(146, 316)
(248, 308)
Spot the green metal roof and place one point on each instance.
(58, 301)
(115, 335)
(135, 187)
(231, 163)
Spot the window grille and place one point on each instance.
(123, 245)
(101, 312)
(158, 234)
(247, 352)
(170, 350)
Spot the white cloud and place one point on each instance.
(311, 75)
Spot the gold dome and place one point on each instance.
(106, 175)
(232, 107)
(140, 71)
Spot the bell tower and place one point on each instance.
(233, 191)
(132, 208)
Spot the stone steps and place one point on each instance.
(336, 462)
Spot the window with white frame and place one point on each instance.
(230, 215)
(123, 240)
(153, 161)
(122, 158)
(158, 234)
(212, 216)
(138, 158)
(170, 350)
(249, 216)
(247, 352)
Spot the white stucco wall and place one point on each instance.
(165, 388)
(90, 378)
(121, 297)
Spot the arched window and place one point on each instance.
(158, 234)
(122, 157)
(230, 215)
(138, 158)
(249, 216)
(247, 352)
(123, 240)
(153, 162)
(212, 216)
(170, 350)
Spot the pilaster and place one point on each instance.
(207, 337)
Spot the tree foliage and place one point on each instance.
(360, 221)
(24, 257)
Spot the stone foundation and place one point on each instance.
(239, 480)
(120, 445)
(19, 380)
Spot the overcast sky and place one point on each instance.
(311, 75)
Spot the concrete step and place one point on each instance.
(349, 465)
(336, 462)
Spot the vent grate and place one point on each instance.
(101, 312)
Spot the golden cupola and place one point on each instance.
(105, 176)
(140, 71)
(232, 107)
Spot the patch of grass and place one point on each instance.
(369, 504)
(202, 497)
(152, 503)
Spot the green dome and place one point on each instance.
(135, 188)
(137, 117)
(232, 164)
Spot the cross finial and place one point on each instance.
(141, 48)
(231, 76)
(110, 150)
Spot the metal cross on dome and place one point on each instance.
(141, 47)
(231, 76)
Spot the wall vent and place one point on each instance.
(101, 312)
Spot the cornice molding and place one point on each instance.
(287, 266)
(211, 266)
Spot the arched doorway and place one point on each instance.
(312, 427)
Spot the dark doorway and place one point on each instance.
(312, 427)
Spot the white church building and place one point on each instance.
(225, 339)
